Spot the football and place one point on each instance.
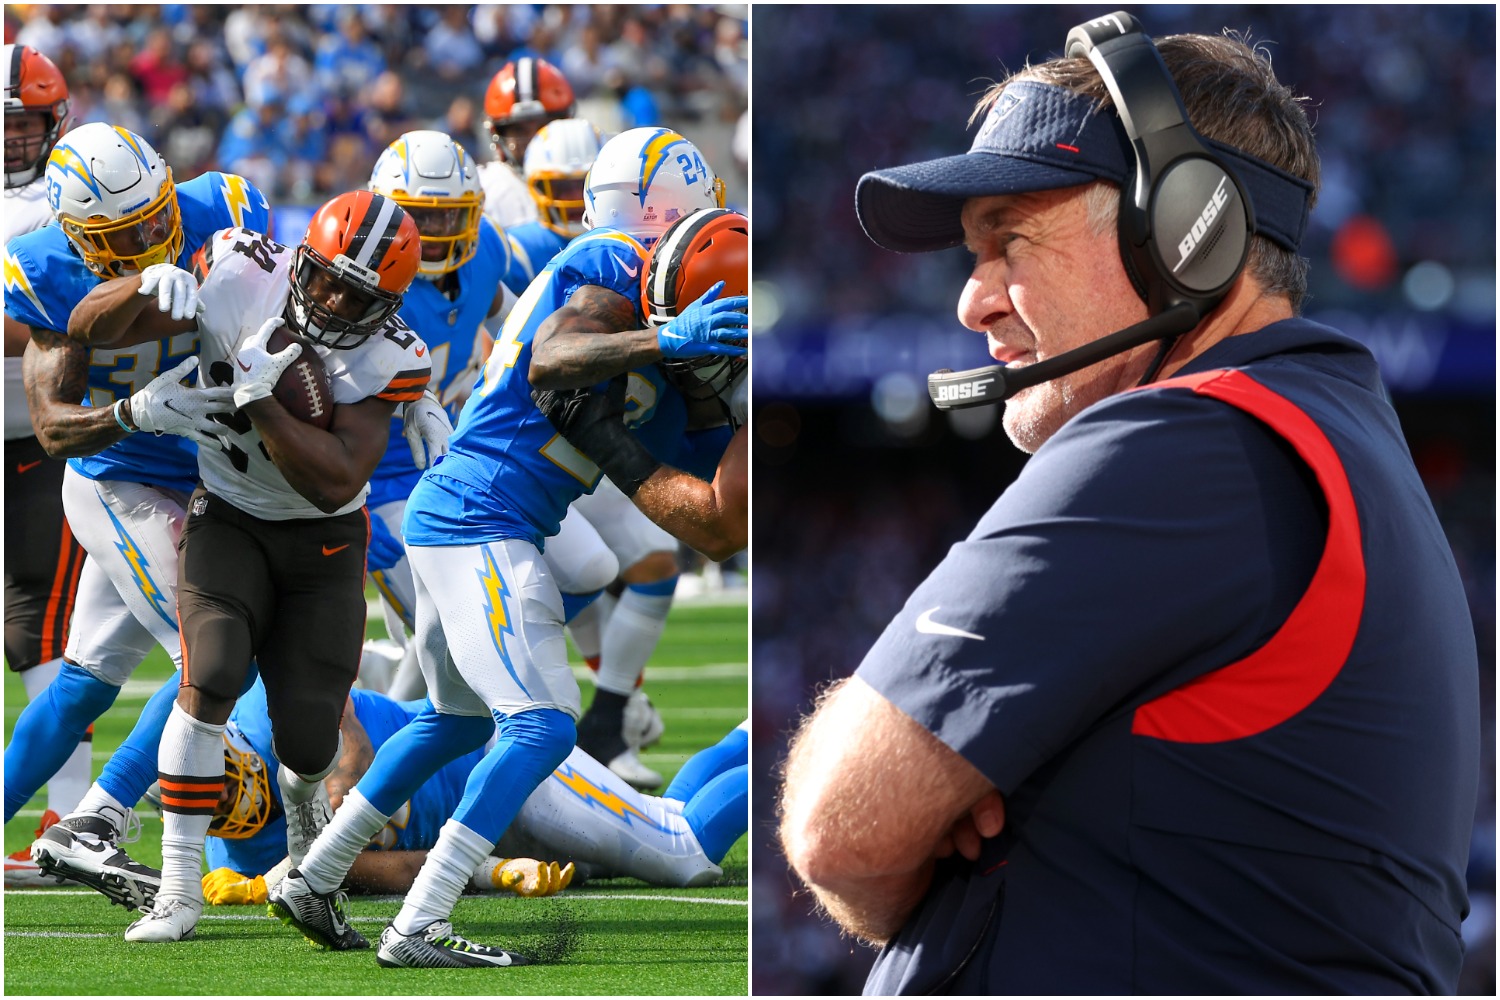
(305, 389)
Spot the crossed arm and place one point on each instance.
(870, 801)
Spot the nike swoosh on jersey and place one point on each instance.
(927, 626)
(328, 552)
(28, 466)
(628, 270)
(421, 351)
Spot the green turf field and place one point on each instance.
(608, 937)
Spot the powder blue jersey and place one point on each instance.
(45, 278)
(413, 827)
(533, 245)
(508, 474)
(448, 327)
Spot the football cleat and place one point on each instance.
(21, 872)
(322, 918)
(437, 947)
(84, 849)
(167, 920)
(642, 726)
(628, 766)
(304, 821)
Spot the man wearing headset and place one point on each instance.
(1193, 708)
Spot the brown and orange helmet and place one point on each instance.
(361, 252)
(695, 253)
(526, 92)
(34, 87)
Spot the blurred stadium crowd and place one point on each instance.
(852, 510)
(301, 98)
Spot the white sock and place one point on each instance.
(329, 859)
(585, 627)
(96, 801)
(68, 785)
(38, 677)
(191, 766)
(630, 637)
(297, 788)
(444, 875)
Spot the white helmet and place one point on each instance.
(113, 195)
(557, 163)
(436, 181)
(645, 179)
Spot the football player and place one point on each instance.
(615, 647)
(118, 213)
(570, 352)
(557, 163)
(469, 276)
(709, 249)
(582, 812)
(522, 97)
(489, 615)
(273, 551)
(42, 558)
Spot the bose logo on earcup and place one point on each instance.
(1206, 218)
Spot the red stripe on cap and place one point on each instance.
(1063, 145)
(1291, 670)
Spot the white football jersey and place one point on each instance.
(26, 209)
(507, 199)
(248, 282)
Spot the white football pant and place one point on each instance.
(585, 812)
(127, 593)
(489, 629)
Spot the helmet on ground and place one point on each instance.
(695, 253)
(645, 179)
(557, 163)
(528, 92)
(250, 804)
(34, 89)
(362, 251)
(437, 182)
(114, 198)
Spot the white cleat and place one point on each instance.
(641, 724)
(167, 920)
(304, 822)
(629, 767)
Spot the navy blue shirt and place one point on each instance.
(1224, 676)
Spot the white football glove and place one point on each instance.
(166, 406)
(176, 290)
(426, 426)
(256, 371)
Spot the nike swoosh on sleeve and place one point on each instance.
(927, 626)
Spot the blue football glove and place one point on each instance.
(385, 548)
(708, 326)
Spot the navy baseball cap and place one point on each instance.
(1039, 137)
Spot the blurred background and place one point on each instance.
(861, 485)
(302, 98)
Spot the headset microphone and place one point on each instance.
(951, 390)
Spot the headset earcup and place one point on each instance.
(1200, 230)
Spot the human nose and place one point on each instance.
(986, 297)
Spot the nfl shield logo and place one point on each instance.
(200, 505)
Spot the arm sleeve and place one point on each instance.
(1158, 536)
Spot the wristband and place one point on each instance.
(121, 420)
